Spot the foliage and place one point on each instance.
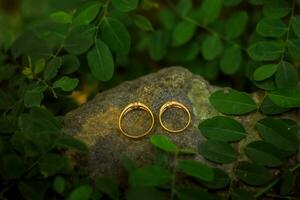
(53, 50)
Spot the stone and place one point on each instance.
(96, 122)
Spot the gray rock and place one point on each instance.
(96, 122)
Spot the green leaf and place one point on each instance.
(183, 7)
(238, 20)
(287, 183)
(61, 17)
(211, 47)
(33, 97)
(209, 11)
(195, 194)
(72, 143)
(80, 39)
(66, 84)
(263, 153)
(115, 35)
(230, 3)
(286, 75)
(149, 176)
(86, 13)
(158, 45)
(231, 60)
(217, 151)
(276, 9)
(101, 62)
(39, 65)
(52, 164)
(286, 98)
(142, 22)
(222, 128)
(164, 143)
(82, 192)
(183, 32)
(264, 72)
(59, 184)
(252, 174)
(241, 194)
(220, 181)
(294, 48)
(167, 18)
(265, 51)
(125, 5)
(70, 64)
(232, 102)
(12, 166)
(52, 68)
(108, 186)
(196, 169)
(270, 108)
(145, 193)
(269, 27)
(295, 21)
(276, 132)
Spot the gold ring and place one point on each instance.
(135, 106)
(175, 104)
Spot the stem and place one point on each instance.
(174, 175)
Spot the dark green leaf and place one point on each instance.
(269, 27)
(294, 48)
(217, 151)
(252, 174)
(287, 182)
(142, 22)
(265, 51)
(70, 64)
(51, 164)
(222, 128)
(232, 102)
(263, 153)
(52, 68)
(238, 20)
(230, 3)
(209, 11)
(158, 45)
(145, 193)
(66, 84)
(108, 187)
(149, 176)
(286, 75)
(276, 132)
(221, 180)
(296, 25)
(231, 60)
(241, 194)
(34, 96)
(127, 163)
(59, 184)
(286, 98)
(7, 71)
(196, 169)
(87, 13)
(276, 9)
(183, 32)
(125, 5)
(12, 166)
(115, 35)
(164, 143)
(270, 108)
(82, 192)
(211, 47)
(195, 194)
(101, 62)
(39, 66)
(183, 7)
(264, 72)
(80, 39)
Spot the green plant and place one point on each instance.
(67, 46)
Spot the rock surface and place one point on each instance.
(96, 122)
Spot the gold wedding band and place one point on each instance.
(135, 106)
(175, 104)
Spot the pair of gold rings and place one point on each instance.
(141, 106)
